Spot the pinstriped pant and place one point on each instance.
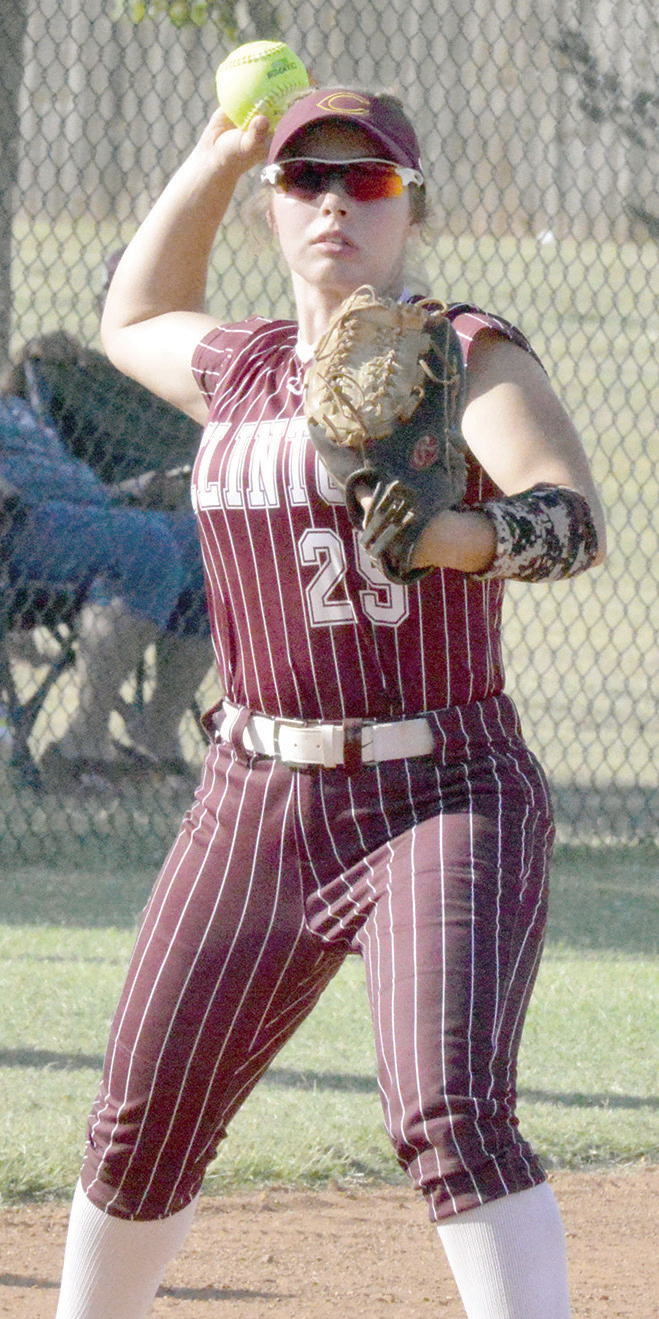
(434, 870)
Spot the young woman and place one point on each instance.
(367, 788)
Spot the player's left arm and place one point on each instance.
(517, 428)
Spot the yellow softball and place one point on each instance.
(261, 77)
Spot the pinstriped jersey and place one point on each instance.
(304, 626)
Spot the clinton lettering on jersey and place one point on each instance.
(250, 478)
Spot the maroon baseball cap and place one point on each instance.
(381, 116)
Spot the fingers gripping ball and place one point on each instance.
(261, 77)
(384, 399)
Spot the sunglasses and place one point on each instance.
(364, 180)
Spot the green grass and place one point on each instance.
(590, 1060)
(588, 1065)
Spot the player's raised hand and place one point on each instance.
(225, 146)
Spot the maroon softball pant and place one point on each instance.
(434, 870)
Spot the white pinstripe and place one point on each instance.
(416, 1016)
(153, 993)
(211, 1000)
(442, 878)
(474, 972)
(123, 1018)
(534, 967)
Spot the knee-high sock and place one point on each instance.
(113, 1266)
(508, 1257)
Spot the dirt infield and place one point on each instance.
(312, 1254)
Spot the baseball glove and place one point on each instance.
(383, 400)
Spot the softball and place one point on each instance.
(261, 77)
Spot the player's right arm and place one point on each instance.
(154, 314)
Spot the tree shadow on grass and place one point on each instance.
(293, 1078)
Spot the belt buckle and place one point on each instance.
(296, 725)
(336, 745)
(277, 725)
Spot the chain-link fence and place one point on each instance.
(538, 124)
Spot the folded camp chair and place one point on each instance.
(25, 607)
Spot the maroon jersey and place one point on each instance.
(304, 626)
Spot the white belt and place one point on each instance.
(298, 743)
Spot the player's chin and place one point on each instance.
(354, 274)
(342, 278)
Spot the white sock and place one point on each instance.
(508, 1257)
(113, 1267)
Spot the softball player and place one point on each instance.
(367, 788)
